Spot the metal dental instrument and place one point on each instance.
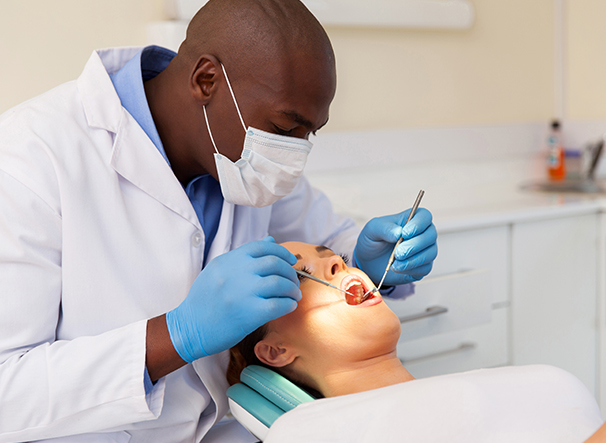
(319, 280)
(392, 257)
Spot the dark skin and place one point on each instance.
(284, 86)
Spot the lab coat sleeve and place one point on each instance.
(49, 387)
(306, 215)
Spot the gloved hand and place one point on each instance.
(414, 256)
(235, 294)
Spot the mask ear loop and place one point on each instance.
(233, 97)
(210, 134)
(209, 131)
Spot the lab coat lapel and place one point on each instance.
(224, 235)
(212, 369)
(137, 159)
(133, 155)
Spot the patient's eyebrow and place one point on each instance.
(322, 248)
(298, 256)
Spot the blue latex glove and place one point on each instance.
(235, 294)
(414, 256)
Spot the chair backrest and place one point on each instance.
(262, 397)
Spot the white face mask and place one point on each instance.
(268, 169)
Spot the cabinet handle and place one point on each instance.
(461, 348)
(429, 312)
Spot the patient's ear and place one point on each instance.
(274, 353)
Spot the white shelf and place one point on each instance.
(437, 14)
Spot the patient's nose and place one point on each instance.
(333, 265)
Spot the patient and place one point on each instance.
(360, 339)
(332, 346)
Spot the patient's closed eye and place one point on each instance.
(302, 277)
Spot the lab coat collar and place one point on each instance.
(101, 102)
(133, 155)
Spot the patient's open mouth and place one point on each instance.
(356, 287)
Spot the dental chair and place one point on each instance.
(262, 397)
(525, 404)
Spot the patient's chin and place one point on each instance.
(380, 336)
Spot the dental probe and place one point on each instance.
(319, 280)
(392, 257)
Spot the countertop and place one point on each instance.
(460, 195)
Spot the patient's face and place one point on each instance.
(325, 331)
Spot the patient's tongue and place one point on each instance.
(356, 298)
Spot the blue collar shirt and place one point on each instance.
(204, 192)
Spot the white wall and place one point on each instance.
(498, 72)
(586, 59)
(44, 43)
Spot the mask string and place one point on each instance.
(233, 97)
(209, 132)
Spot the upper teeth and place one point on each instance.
(352, 283)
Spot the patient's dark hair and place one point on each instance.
(243, 354)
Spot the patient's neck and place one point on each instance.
(378, 372)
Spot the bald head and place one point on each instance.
(256, 34)
(281, 69)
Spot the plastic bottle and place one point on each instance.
(556, 168)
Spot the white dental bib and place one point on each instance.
(527, 404)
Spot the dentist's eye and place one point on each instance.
(281, 131)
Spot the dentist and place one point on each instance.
(138, 210)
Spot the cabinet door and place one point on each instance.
(482, 249)
(462, 350)
(444, 304)
(448, 325)
(554, 290)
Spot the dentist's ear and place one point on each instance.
(203, 79)
(274, 353)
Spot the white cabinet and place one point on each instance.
(554, 294)
(601, 313)
(444, 304)
(482, 346)
(457, 320)
(537, 281)
(482, 248)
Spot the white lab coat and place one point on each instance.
(97, 236)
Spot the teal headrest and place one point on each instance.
(277, 389)
(265, 394)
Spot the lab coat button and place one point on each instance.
(196, 239)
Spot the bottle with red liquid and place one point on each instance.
(556, 168)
